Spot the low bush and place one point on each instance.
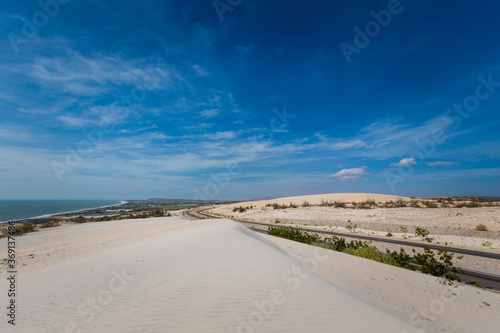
(240, 209)
(399, 203)
(368, 252)
(50, 224)
(429, 204)
(426, 262)
(350, 226)
(157, 212)
(481, 227)
(326, 203)
(400, 259)
(80, 219)
(442, 266)
(421, 232)
(18, 229)
(293, 234)
(278, 206)
(414, 203)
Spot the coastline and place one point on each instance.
(52, 215)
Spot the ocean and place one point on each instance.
(24, 209)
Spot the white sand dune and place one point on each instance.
(316, 199)
(174, 275)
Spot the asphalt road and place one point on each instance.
(487, 280)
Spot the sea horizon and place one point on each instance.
(14, 210)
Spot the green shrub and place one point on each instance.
(157, 212)
(365, 204)
(427, 262)
(400, 259)
(18, 229)
(429, 204)
(50, 224)
(293, 234)
(414, 203)
(481, 227)
(399, 203)
(421, 232)
(278, 206)
(240, 209)
(468, 205)
(368, 252)
(325, 203)
(350, 226)
(79, 219)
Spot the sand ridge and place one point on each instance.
(446, 225)
(175, 275)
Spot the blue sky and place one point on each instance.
(246, 99)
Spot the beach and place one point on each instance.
(176, 275)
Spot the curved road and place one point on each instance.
(488, 280)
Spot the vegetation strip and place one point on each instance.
(426, 262)
(477, 253)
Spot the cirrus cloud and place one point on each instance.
(350, 174)
(442, 163)
(404, 162)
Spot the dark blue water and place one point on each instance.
(24, 209)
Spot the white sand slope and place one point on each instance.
(316, 199)
(173, 275)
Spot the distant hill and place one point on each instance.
(184, 201)
(490, 198)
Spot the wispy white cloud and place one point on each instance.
(442, 163)
(222, 135)
(352, 144)
(95, 115)
(350, 174)
(87, 76)
(198, 126)
(405, 162)
(209, 113)
(17, 133)
(200, 71)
